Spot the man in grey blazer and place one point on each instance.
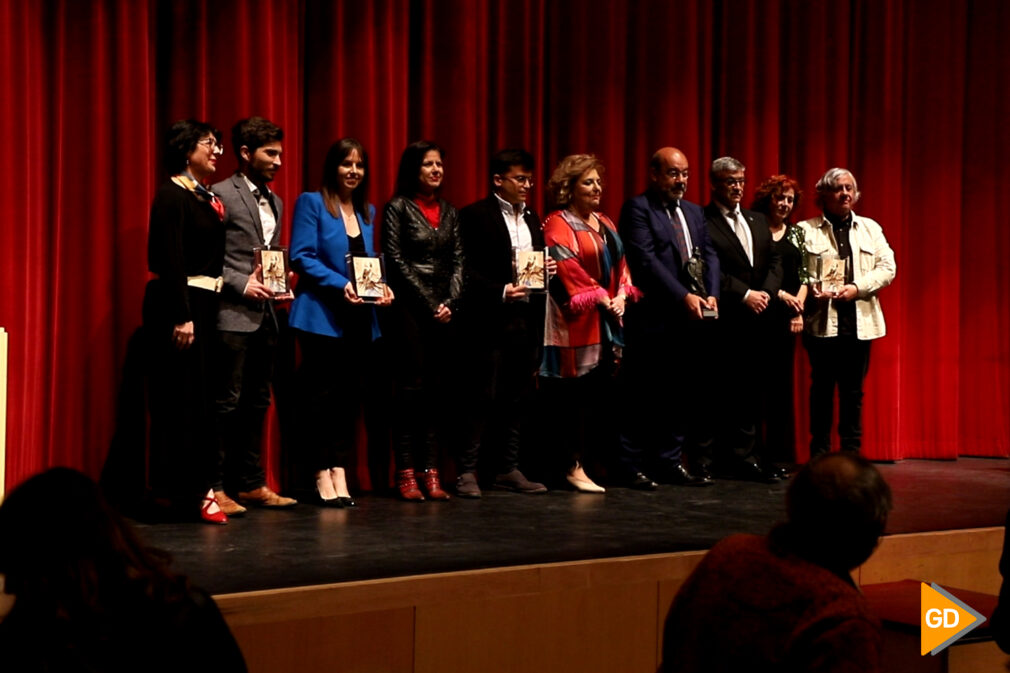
(247, 324)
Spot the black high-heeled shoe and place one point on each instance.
(346, 501)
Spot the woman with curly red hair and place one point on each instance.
(778, 198)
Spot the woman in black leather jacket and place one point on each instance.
(424, 268)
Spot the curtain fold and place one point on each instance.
(912, 97)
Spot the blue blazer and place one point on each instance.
(655, 264)
(319, 255)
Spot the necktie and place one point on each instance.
(678, 233)
(739, 230)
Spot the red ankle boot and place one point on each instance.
(433, 486)
(407, 484)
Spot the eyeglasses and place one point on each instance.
(676, 174)
(734, 182)
(213, 144)
(521, 180)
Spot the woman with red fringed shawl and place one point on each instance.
(585, 306)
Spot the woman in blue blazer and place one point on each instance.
(335, 327)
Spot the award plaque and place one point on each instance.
(695, 268)
(274, 264)
(368, 276)
(827, 273)
(529, 269)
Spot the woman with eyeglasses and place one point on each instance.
(185, 252)
(424, 264)
(585, 308)
(336, 328)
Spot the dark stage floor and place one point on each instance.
(382, 537)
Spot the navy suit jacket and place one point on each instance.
(655, 261)
(243, 231)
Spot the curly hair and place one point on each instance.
(569, 170)
(772, 187)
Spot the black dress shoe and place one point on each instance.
(749, 471)
(678, 475)
(346, 501)
(701, 471)
(777, 472)
(642, 483)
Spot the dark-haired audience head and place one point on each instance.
(727, 175)
(65, 548)
(184, 139)
(778, 197)
(567, 174)
(420, 172)
(837, 192)
(345, 173)
(512, 175)
(257, 143)
(837, 507)
(668, 174)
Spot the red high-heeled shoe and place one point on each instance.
(218, 517)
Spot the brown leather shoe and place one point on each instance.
(227, 505)
(264, 497)
(407, 484)
(433, 485)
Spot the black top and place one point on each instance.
(186, 238)
(846, 309)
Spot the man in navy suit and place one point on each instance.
(750, 276)
(247, 323)
(504, 322)
(664, 367)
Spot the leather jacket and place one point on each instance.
(424, 265)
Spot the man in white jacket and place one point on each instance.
(841, 323)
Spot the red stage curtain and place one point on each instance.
(911, 96)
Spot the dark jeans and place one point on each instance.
(502, 368)
(840, 361)
(245, 363)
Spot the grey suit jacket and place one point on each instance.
(243, 232)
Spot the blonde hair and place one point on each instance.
(569, 170)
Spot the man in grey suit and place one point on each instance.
(247, 323)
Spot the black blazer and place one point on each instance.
(487, 251)
(736, 274)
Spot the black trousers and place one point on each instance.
(842, 362)
(245, 365)
(427, 391)
(183, 438)
(666, 383)
(338, 379)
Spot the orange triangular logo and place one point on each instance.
(944, 618)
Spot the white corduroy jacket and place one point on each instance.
(873, 268)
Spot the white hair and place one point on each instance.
(830, 180)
